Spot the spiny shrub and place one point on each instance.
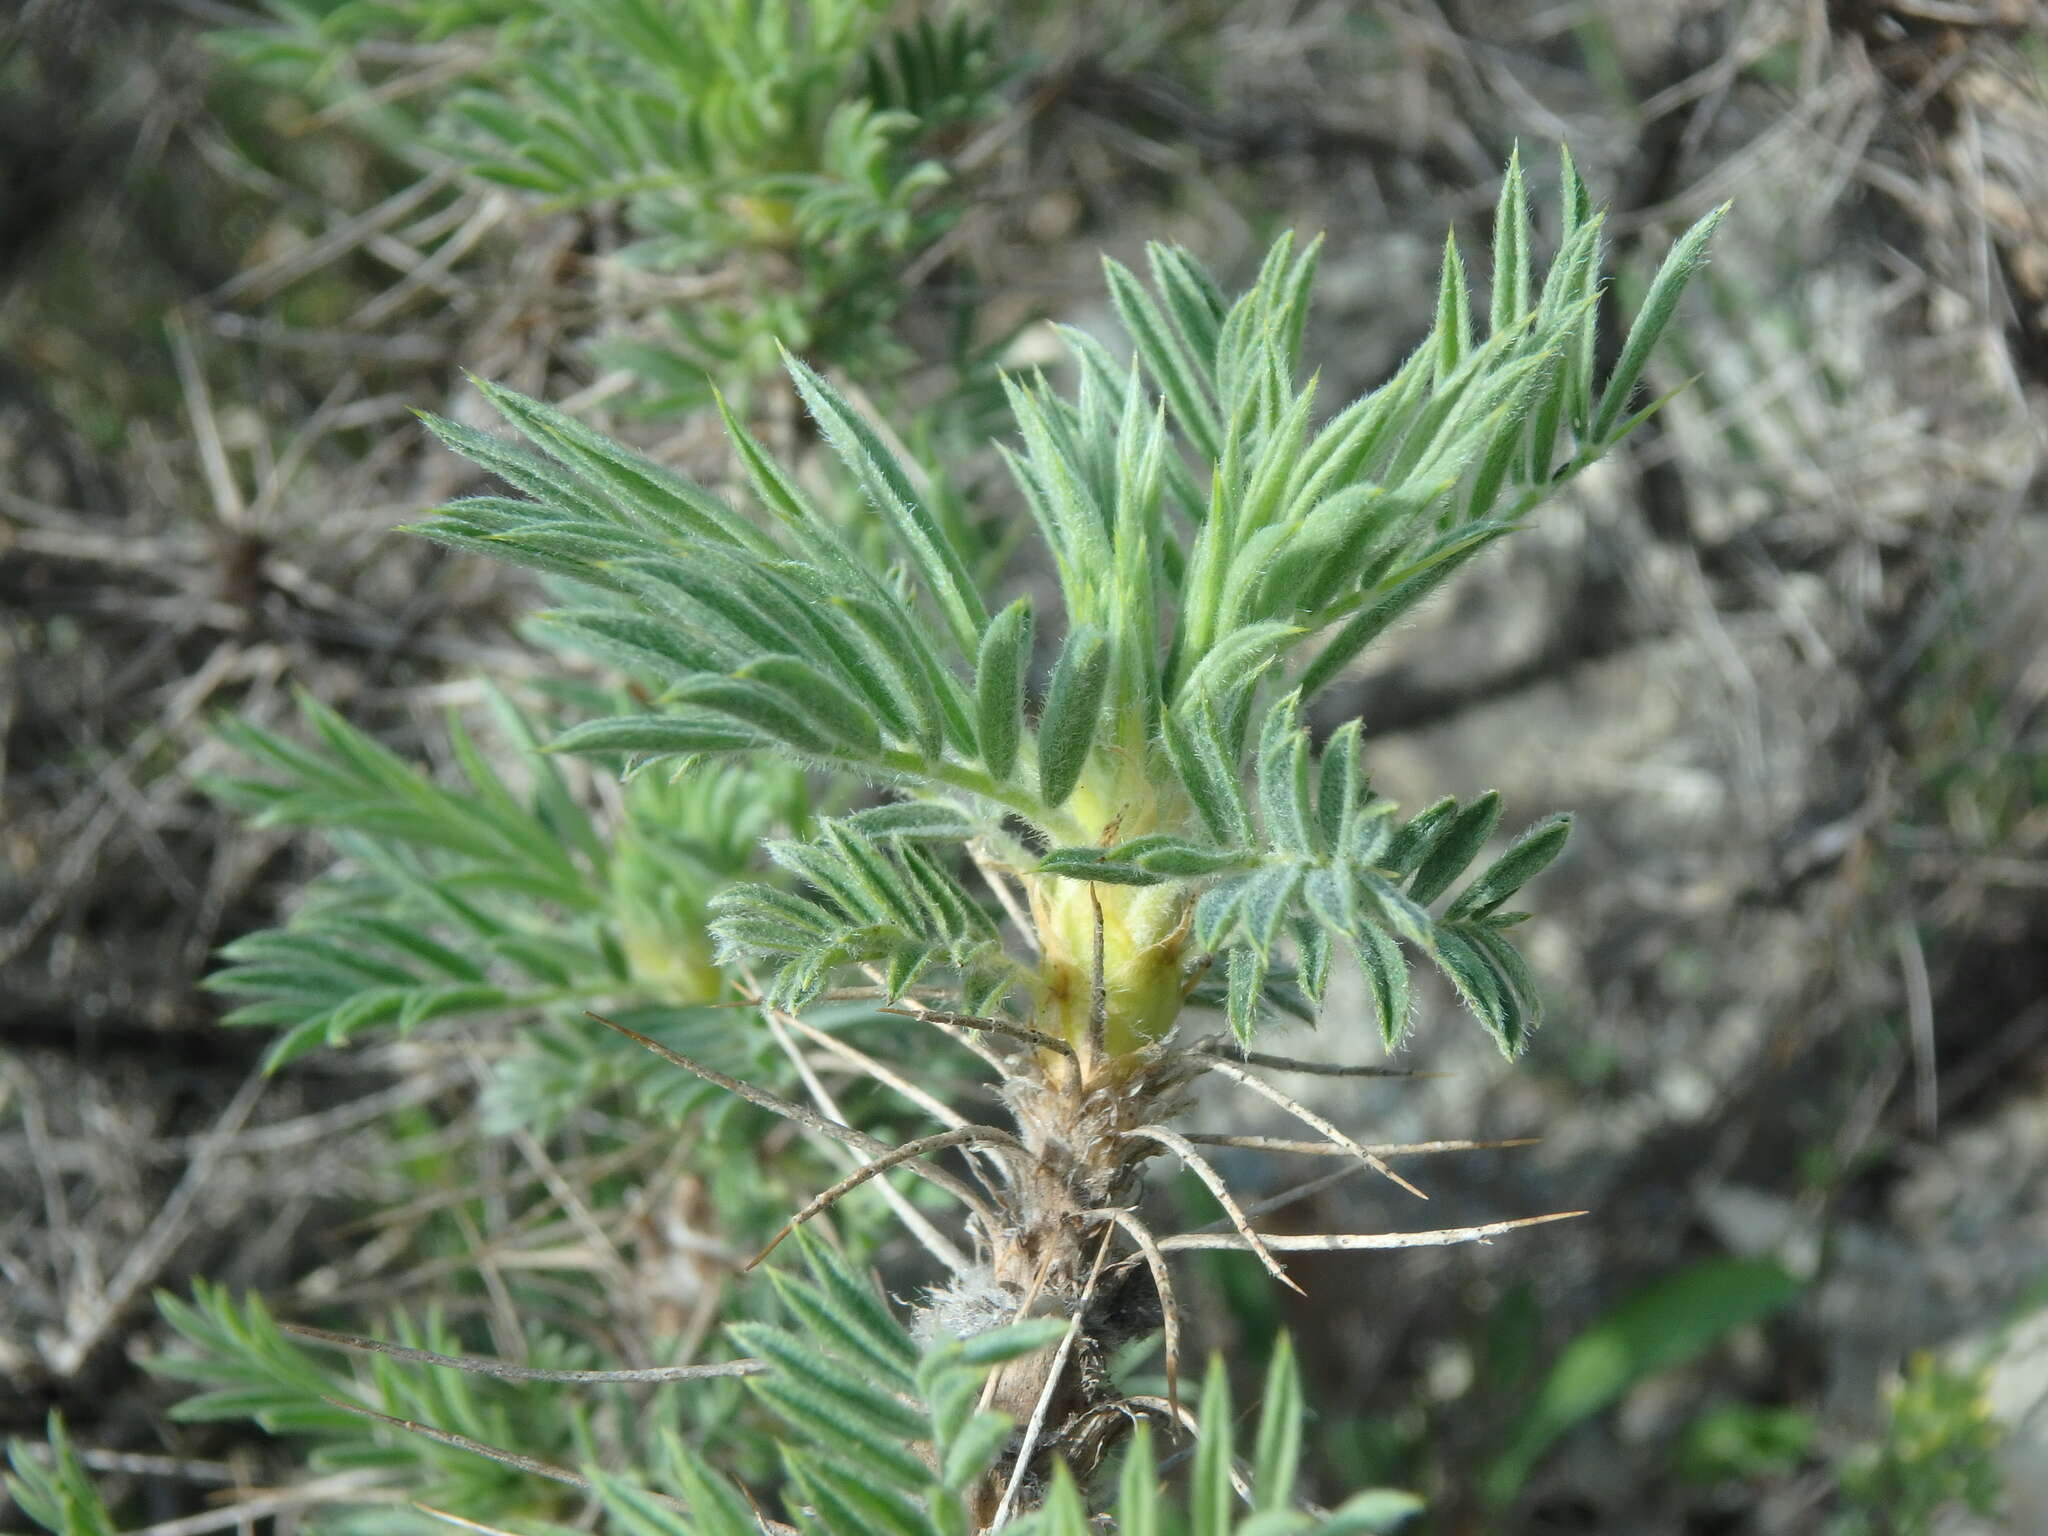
(1097, 819)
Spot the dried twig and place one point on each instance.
(91, 1318)
(935, 1242)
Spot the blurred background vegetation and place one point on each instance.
(1785, 653)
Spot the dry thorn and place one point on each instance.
(1162, 1282)
(1024, 1032)
(565, 1194)
(477, 1447)
(992, 877)
(1191, 1430)
(984, 1135)
(1309, 1187)
(505, 1370)
(1179, 1415)
(1313, 1121)
(809, 1119)
(887, 1076)
(461, 1521)
(1202, 1169)
(229, 510)
(1342, 1242)
(1219, 1051)
(1098, 989)
(1286, 1197)
(503, 1316)
(1379, 1149)
(1920, 1018)
(936, 1243)
(357, 1484)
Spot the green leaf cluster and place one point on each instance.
(877, 1435)
(877, 901)
(1213, 547)
(250, 1370)
(1211, 1504)
(483, 898)
(784, 148)
(882, 1438)
(1325, 859)
(52, 1489)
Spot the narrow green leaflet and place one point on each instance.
(1073, 711)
